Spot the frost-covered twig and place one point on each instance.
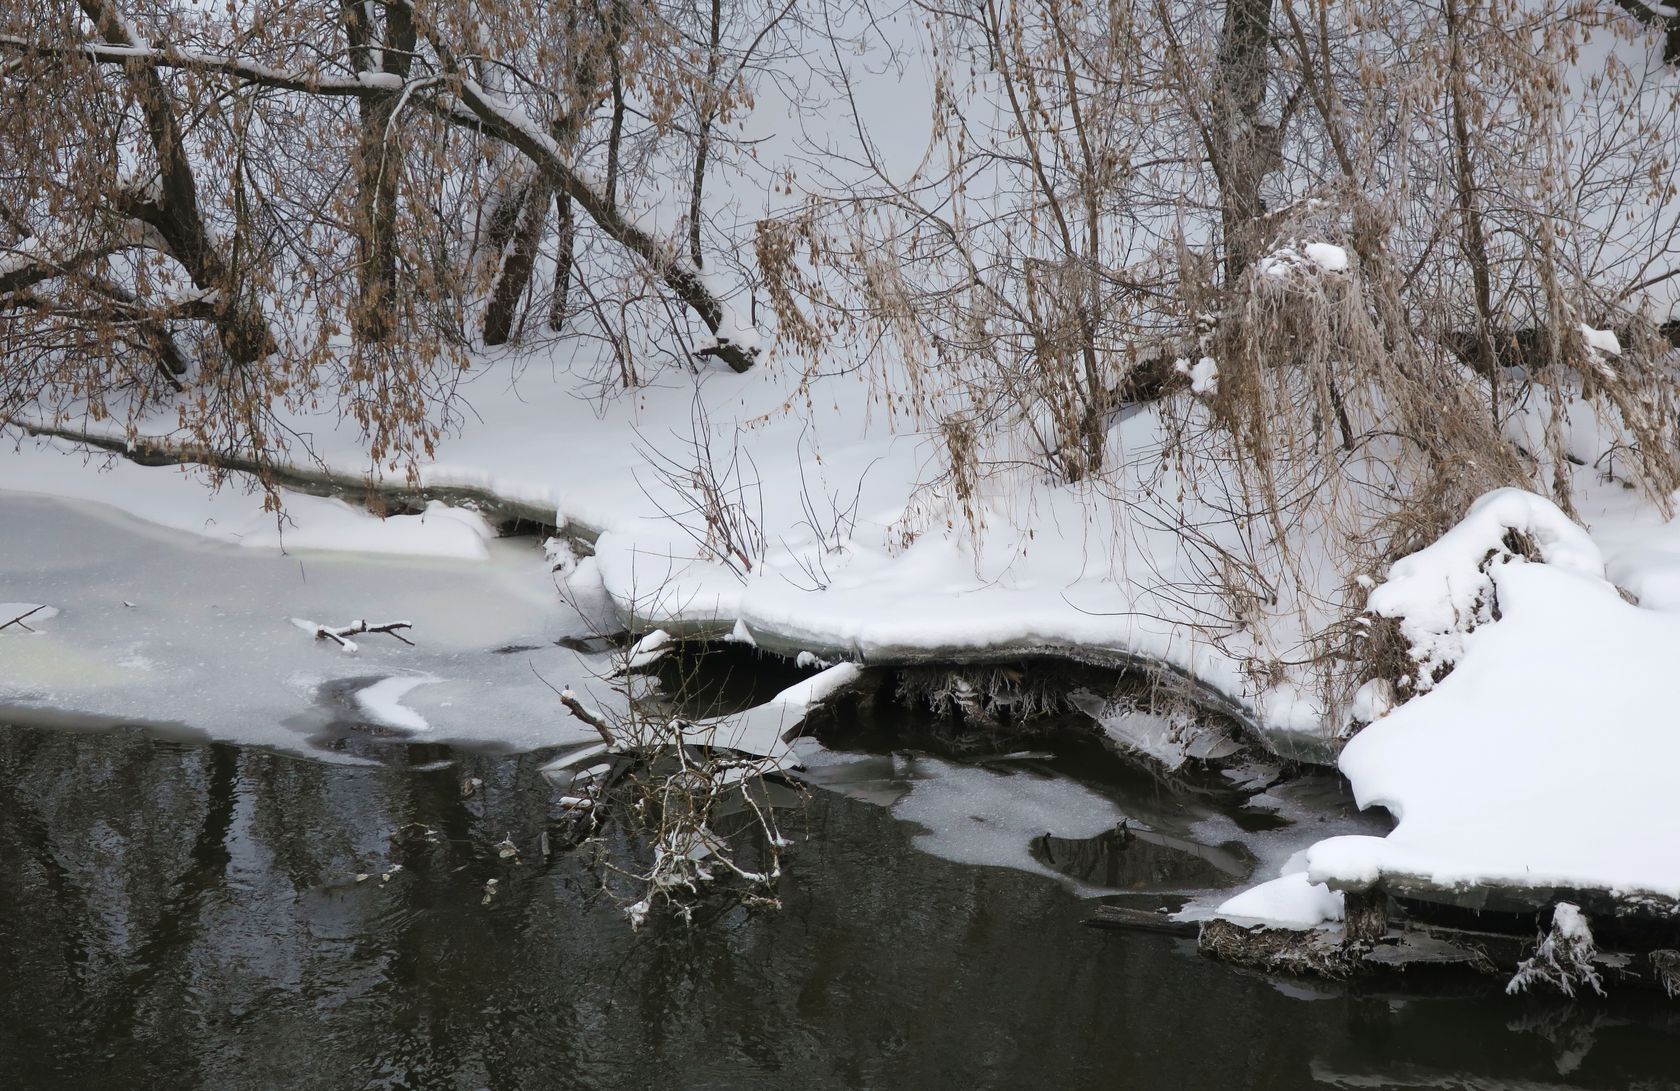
(714, 490)
(691, 782)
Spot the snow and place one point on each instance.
(1443, 591)
(1289, 901)
(1203, 374)
(1312, 257)
(1546, 757)
(1568, 922)
(383, 701)
(1329, 258)
(22, 617)
(650, 649)
(1603, 341)
(157, 625)
(990, 819)
(760, 730)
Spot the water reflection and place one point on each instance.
(180, 914)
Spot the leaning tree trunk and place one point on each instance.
(518, 263)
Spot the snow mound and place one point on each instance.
(1564, 958)
(1545, 758)
(1290, 901)
(1443, 592)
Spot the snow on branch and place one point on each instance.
(577, 708)
(166, 56)
(587, 715)
(341, 634)
(647, 651)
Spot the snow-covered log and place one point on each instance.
(341, 634)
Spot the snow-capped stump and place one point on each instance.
(1564, 959)
(22, 617)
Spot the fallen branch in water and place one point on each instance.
(341, 634)
(18, 621)
(580, 710)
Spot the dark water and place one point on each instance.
(176, 914)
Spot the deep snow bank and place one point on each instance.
(1543, 759)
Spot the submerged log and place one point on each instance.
(1140, 920)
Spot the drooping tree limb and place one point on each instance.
(33, 263)
(172, 209)
(470, 106)
(512, 126)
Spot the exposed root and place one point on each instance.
(1665, 970)
(986, 695)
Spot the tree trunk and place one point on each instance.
(1469, 211)
(562, 262)
(517, 264)
(378, 168)
(1244, 151)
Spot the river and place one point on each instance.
(183, 913)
